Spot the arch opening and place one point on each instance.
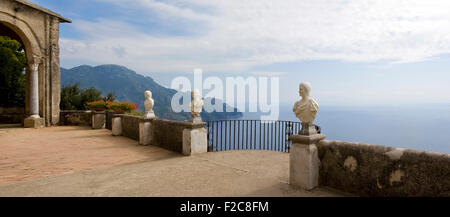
(13, 79)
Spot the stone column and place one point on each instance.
(304, 161)
(34, 120)
(98, 119)
(195, 140)
(117, 125)
(145, 131)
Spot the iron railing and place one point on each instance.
(224, 135)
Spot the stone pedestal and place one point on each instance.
(117, 126)
(98, 120)
(33, 122)
(196, 118)
(195, 141)
(149, 114)
(145, 132)
(304, 161)
(308, 129)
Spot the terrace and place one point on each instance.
(79, 161)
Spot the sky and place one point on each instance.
(353, 52)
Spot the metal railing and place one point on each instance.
(224, 135)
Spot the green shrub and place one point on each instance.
(75, 98)
(98, 105)
(122, 107)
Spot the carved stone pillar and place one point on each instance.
(34, 120)
(304, 163)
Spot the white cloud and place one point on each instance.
(241, 34)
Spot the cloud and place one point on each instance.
(240, 35)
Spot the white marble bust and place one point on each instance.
(196, 106)
(149, 103)
(306, 108)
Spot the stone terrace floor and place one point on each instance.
(79, 161)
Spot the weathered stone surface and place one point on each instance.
(109, 119)
(372, 170)
(130, 126)
(302, 139)
(195, 141)
(304, 166)
(308, 129)
(167, 134)
(117, 126)
(38, 29)
(12, 115)
(32, 122)
(145, 132)
(98, 120)
(304, 161)
(75, 118)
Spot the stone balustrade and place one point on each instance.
(179, 136)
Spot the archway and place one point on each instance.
(37, 29)
(12, 78)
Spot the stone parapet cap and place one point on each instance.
(76, 111)
(189, 125)
(307, 140)
(143, 119)
(99, 112)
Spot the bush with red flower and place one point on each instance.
(98, 105)
(122, 107)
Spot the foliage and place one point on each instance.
(98, 105)
(90, 94)
(71, 97)
(110, 97)
(12, 77)
(122, 106)
(75, 98)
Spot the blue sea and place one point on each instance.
(424, 127)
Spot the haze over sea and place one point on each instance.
(421, 127)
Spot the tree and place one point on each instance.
(90, 94)
(110, 97)
(74, 98)
(70, 97)
(12, 76)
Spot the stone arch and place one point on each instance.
(22, 32)
(26, 34)
(38, 30)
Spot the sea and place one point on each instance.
(419, 127)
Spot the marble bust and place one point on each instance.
(306, 109)
(196, 106)
(148, 104)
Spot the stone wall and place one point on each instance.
(75, 118)
(130, 126)
(169, 134)
(12, 115)
(372, 170)
(109, 117)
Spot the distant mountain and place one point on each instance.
(128, 85)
